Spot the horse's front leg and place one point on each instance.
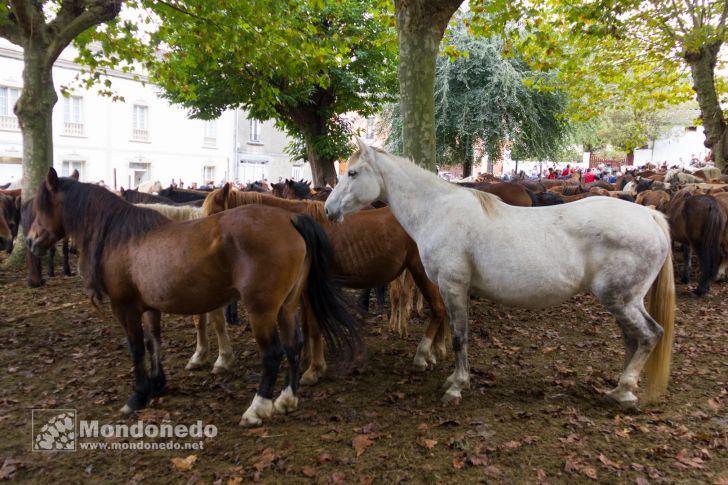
(66, 265)
(153, 342)
(198, 358)
(131, 320)
(456, 298)
(266, 335)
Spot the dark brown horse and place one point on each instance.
(698, 223)
(133, 196)
(10, 215)
(148, 265)
(370, 249)
(183, 195)
(35, 274)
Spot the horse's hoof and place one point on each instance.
(194, 365)
(309, 378)
(259, 410)
(626, 399)
(286, 402)
(451, 397)
(419, 365)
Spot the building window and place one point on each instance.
(297, 172)
(255, 131)
(140, 123)
(138, 173)
(253, 170)
(210, 139)
(73, 116)
(70, 165)
(208, 174)
(369, 133)
(8, 98)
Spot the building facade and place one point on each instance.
(141, 139)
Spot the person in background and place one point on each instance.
(567, 171)
(589, 176)
(551, 175)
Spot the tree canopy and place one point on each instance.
(303, 64)
(483, 103)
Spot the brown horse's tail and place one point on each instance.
(708, 240)
(336, 323)
(661, 306)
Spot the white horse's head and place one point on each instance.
(361, 185)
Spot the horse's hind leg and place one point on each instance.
(264, 330)
(231, 313)
(66, 265)
(224, 348)
(641, 333)
(687, 256)
(153, 342)
(436, 332)
(52, 262)
(292, 343)
(315, 347)
(456, 298)
(131, 320)
(198, 358)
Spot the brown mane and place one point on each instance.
(314, 209)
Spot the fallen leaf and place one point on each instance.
(458, 462)
(234, 481)
(308, 471)
(184, 464)
(492, 471)
(590, 472)
(641, 481)
(477, 460)
(426, 443)
(512, 445)
(360, 443)
(609, 463)
(337, 478)
(267, 458)
(684, 458)
(366, 480)
(324, 457)
(721, 481)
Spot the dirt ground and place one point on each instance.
(535, 413)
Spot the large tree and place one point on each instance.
(421, 25)
(304, 64)
(43, 30)
(634, 53)
(483, 104)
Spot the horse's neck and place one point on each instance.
(410, 191)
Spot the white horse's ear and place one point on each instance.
(363, 147)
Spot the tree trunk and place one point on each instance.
(34, 110)
(469, 155)
(322, 168)
(702, 68)
(420, 27)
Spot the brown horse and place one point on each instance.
(9, 221)
(722, 199)
(510, 193)
(370, 249)
(147, 264)
(655, 198)
(698, 223)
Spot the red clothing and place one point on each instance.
(551, 176)
(566, 172)
(589, 178)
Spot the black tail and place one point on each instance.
(708, 241)
(534, 199)
(339, 328)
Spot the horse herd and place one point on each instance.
(285, 254)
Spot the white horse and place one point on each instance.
(472, 242)
(150, 187)
(225, 357)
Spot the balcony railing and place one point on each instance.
(73, 129)
(9, 123)
(140, 135)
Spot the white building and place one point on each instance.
(143, 138)
(679, 147)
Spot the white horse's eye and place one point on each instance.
(352, 173)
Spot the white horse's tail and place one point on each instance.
(661, 306)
